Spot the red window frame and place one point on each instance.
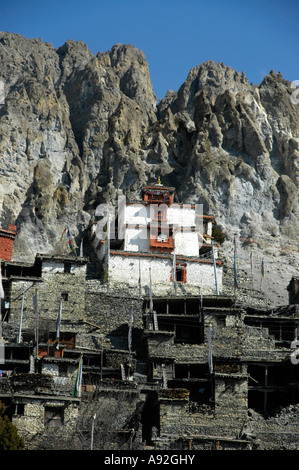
(183, 271)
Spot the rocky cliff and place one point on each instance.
(78, 129)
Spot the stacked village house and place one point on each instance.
(147, 330)
(159, 246)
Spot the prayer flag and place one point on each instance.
(210, 355)
(1, 285)
(35, 305)
(130, 329)
(62, 235)
(151, 294)
(35, 308)
(174, 264)
(59, 320)
(70, 242)
(236, 284)
(78, 382)
(262, 269)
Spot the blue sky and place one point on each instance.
(175, 36)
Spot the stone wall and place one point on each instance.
(180, 417)
(110, 312)
(277, 432)
(31, 425)
(53, 285)
(126, 271)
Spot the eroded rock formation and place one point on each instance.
(77, 129)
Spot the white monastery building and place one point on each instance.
(159, 247)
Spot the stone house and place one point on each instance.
(196, 370)
(159, 245)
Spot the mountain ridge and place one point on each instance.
(78, 129)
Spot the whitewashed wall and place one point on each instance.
(49, 267)
(137, 214)
(186, 243)
(181, 216)
(54, 267)
(124, 272)
(137, 239)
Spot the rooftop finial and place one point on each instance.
(159, 181)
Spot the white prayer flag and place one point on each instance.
(130, 329)
(210, 355)
(59, 320)
(1, 285)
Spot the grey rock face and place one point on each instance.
(78, 129)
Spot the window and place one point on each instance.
(180, 273)
(65, 296)
(186, 330)
(161, 238)
(53, 416)
(67, 268)
(188, 333)
(19, 409)
(159, 212)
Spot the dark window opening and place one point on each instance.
(16, 353)
(186, 333)
(92, 360)
(5, 310)
(200, 391)
(270, 388)
(65, 296)
(192, 307)
(159, 212)
(150, 418)
(19, 409)
(185, 330)
(53, 417)
(166, 326)
(266, 375)
(63, 369)
(256, 375)
(176, 307)
(191, 371)
(180, 273)
(268, 403)
(160, 306)
(67, 268)
(282, 332)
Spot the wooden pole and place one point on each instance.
(21, 316)
(215, 272)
